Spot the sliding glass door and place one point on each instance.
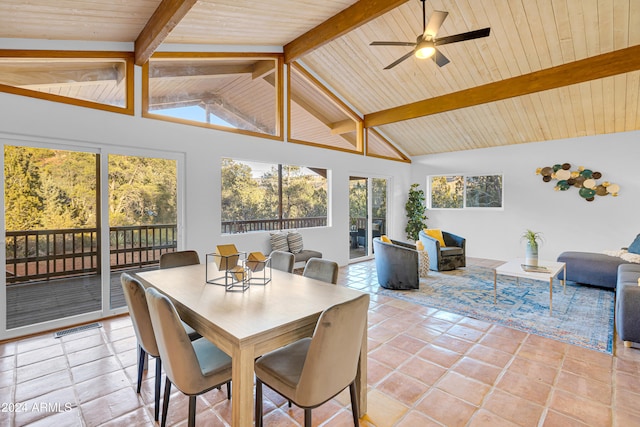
(74, 221)
(367, 214)
(52, 237)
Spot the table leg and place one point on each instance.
(242, 387)
(495, 291)
(550, 295)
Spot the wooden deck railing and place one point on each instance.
(48, 254)
(232, 227)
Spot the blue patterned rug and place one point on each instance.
(582, 315)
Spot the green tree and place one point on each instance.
(447, 192)
(22, 199)
(415, 208)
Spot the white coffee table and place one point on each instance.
(514, 268)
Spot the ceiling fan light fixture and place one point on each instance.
(425, 49)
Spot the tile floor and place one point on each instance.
(426, 368)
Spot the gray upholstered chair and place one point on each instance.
(448, 257)
(311, 371)
(396, 264)
(321, 269)
(195, 367)
(139, 313)
(179, 259)
(283, 261)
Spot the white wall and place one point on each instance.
(567, 221)
(24, 119)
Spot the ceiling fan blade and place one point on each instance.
(399, 60)
(392, 44)
(435, 22)
(440, 59)
(475, 34)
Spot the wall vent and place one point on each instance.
(82, 328)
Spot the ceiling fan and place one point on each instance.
(425, 44)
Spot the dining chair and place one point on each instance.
(321, 269)
(139, 313)
(283, 261)
(311, 371)
(195, 367)
(179, 259)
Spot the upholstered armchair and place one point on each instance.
(396, 264)
(449, 256)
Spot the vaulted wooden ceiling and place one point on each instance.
(550, 69)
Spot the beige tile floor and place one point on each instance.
(426, 368)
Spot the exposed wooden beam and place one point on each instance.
(262, 69)
(593, 68)
(352, 17)
(199, 70)
(343, 126)
(164, 19)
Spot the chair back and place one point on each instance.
(134, 294)
(321, 269)
(176, 351)
(283, 261)
(179, 259)
(332, 359)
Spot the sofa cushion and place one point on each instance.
(305, 254)
(634, 247)
(294, 240)
(279, 242)
(436, 233)
(451, 251)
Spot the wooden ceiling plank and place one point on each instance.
(631, 110)
(597, 67)
(164, 19)
(338, 25)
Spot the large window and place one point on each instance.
(263, 196)
(233, 92)
(460, 191)
(102, 80)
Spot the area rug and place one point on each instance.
(582, 315)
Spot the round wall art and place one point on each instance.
(585, 180)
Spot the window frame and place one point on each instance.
(279, 88)
(464, 192)
(280, 217)
(127, 57)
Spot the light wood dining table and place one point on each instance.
(247, 324)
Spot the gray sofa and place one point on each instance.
(591, 268)
(628, 304)
(396, 264)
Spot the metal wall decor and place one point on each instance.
(583, 179)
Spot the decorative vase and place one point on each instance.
(531, 254)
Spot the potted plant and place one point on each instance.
(415, 207)
(533, 239)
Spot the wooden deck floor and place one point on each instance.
(31, 303)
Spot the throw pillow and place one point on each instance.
(385, 239)
(279, 242)
(436, 233)
(634, 247)
(295, 242)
